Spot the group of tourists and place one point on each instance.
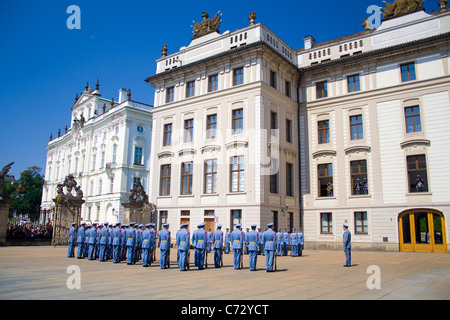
(133, 242)
(29, 231)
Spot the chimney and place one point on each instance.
(309, 42)
(123, 95)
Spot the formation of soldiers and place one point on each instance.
(134, 242)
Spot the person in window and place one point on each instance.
(357, 186)
(329, 189)
(364, 186)
(419, 184)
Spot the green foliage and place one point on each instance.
(26, 193)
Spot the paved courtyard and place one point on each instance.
(41, 273)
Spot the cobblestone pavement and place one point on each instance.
(42, 273)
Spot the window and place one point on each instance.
(408, 71)
(288, 130)
(190, 89)
(359, 177)
(135, 181)
(188, 130)
(211, 176)
(102, 164)
(164, 188)
(114, 156)
(273, 79)
(170, 94)
(321, 90)
(324, 131)
(167, 140)
(94, 158)
(356, 127)
(236, 216)
(186, 177)
(287, 86)
(417, 173)
(326, 220)
(238, 76)
(100, 185)
(361, 225)
(274, 219)
(211, 126)
(91, 189)
(325, 180)
(140, 129)
(353, 83)
(274, 123)
(289, 179)
(238, 119)
(137, 156)
(274, 177)
(213, 83)
(111, 185)
(163, 218)
(237, 174)
(412, 117)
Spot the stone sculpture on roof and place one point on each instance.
(206, 26)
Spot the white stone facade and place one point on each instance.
(106, 155)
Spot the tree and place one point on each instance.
(26, 195)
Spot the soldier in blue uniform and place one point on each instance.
(80, 240)
(279, 242)
(209, 240)
(218, 245)
(285, 242)
(72, 241)
(146, 245)
(164, 245)
(347, 238)
(123, 244)
(97, 241)
(252, 242)
(153, 242)
(116, 237)
(102, 239)
(259, 242)
(269, 238)
(86, 240)
(92, 241)
(200, 245)
(245, 240)
(227, 241)
(138, 243)
(183, 241)
(131, 238)
(300, 239)
(237, 240)
(294, 243)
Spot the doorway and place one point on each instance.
(422, 230)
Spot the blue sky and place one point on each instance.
(44, 64)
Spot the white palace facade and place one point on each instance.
(245, 129)
(106, 149)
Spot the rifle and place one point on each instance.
(241, 258)
(221, 256)
(188, 255)
(275, 260)
(168, 258)
(206, 258)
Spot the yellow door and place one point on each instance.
(422, 231)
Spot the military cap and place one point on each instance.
(74, 223)
(270, 224)
(201, 224)
(253, 225)
(238, 225)
(83, 222)
(165, 225)
(219, 226)
(344, 225)
(148, 224)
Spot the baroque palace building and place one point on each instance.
(245, 129)
(106, 149)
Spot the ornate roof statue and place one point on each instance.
(401, 7)
(164, 51)
(252, 17)
(206, 26)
